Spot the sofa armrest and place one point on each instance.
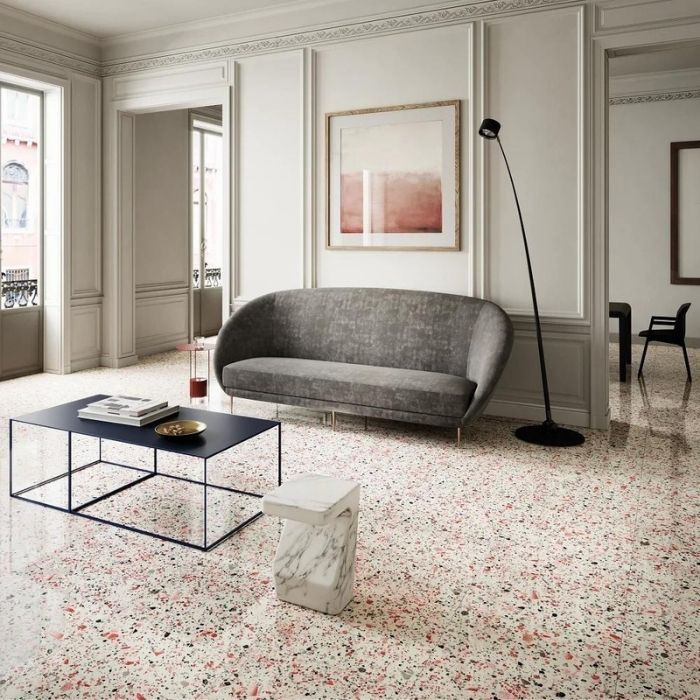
(489, 350)
(247, 333)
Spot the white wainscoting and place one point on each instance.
(567, 355)
(86, 334)
(162, 320)
(21, 349)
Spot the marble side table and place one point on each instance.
(315, 562)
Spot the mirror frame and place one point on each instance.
(676, 147)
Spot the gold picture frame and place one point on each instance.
(407, 158)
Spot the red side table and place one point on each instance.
(199, 386)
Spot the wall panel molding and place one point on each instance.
(163, 81)
(86, 335)
(619, 15)
(568, 370)
(309, 174)
(161, 321)
(577, 311)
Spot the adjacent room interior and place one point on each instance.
(347, 351)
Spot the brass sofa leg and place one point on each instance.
(231, 405)
(332, 420)
(459, 437)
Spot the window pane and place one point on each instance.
(20, 186)
(196, 196)
(213, 234)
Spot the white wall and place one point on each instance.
(269, 226)
(640, 258)
(161, 229)
(403, 69)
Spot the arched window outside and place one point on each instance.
(15, 192)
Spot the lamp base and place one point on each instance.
(549, 434)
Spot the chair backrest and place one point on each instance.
(679, 326)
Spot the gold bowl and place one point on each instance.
(181, 428)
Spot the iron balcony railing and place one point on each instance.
(212, 277)
(19, 293)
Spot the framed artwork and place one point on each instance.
(685, 212)
(392, 177)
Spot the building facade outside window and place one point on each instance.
(20, 196)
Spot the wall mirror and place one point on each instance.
(685, 212)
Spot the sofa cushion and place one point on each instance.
(409, 390)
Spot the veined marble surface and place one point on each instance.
(498, 570)
(314, 499)
(315, 566)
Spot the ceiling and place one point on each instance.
(103, 18)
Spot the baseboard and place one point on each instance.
(117, 362)
(535, 413)
(636, 340)
(84, 363)
(162, 346)
(23, 372)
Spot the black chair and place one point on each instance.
(675, 335)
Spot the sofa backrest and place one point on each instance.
(383, 327)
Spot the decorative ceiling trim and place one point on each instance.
(48, 55)
(656, 97)
(419, 20)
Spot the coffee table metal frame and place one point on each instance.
(120, 433)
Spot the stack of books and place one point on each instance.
(127, 410)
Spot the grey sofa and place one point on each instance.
(420, 357)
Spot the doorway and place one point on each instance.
(206, 226)
(654, 102)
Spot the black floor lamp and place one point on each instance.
(547, 433)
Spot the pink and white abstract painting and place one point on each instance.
(393, 177)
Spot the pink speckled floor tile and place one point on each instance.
(498, 570)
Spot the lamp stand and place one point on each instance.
(547, 433)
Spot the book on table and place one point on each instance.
(127, 410)
(126, 405)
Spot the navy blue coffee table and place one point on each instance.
(223, 433)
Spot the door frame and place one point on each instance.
(119, 335)
(603, 47)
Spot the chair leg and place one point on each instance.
(644, 354)
(687, 364)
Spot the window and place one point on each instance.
(21, 117)
(207, 203)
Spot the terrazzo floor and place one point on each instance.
(498, 570)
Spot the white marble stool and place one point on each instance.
(315, 562)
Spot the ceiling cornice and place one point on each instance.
(350, 30)
(656, 97)
(281, 42)
(30, 49)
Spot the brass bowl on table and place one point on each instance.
(181, 428)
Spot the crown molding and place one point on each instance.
(656, 97)
(50, 55)
(350, 30)
(268, 44)
(216, 21)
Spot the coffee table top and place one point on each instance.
(223, 430)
